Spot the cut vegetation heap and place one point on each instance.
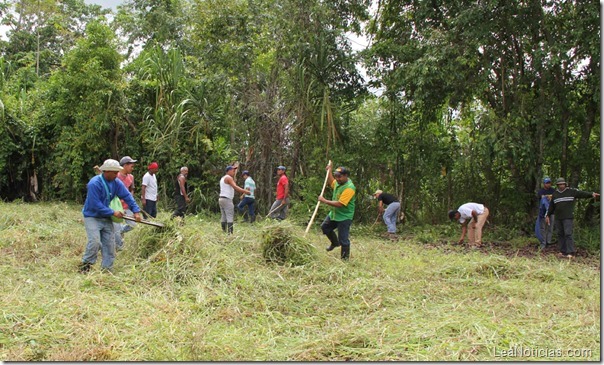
(280, 245)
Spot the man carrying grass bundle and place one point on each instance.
(342, 212)
(102, 189)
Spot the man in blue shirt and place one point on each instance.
(544, 231)
(97, 215)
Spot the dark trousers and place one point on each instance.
(181, 206)
(151, 208)
(565, 236)
(328, 227)
(250, 206)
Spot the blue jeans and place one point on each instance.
(101, 236)
(328, 226)
(391, 216)
(120, 228)
(250, 206)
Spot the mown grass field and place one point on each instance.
(192, 293)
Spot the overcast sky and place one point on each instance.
(105, 3)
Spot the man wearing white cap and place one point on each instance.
(97, 215)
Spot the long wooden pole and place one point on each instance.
(319, 202)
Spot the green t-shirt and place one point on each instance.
(345, 194)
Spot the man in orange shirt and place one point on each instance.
(279, 208)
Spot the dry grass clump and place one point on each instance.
(281, 245)
(149, 240)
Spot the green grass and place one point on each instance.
(192, 293)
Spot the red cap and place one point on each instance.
(153, 165)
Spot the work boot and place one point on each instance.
(333, 238)
(253, 219)
(224, 226)
(345, 254)
(230, 228)
(84, 267)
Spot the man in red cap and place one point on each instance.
(149, 194)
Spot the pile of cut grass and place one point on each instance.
(281, 244)
(201, 295)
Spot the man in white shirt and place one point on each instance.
(478, 213)
(149, 191)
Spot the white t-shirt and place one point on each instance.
(150, 181)
(226, 190)
(465, 211)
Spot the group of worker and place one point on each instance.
(115, 180)
(556, 207)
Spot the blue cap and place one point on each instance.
(245, 172)
(229, 168)
(547, 180)
(281, 168)
(341, 171)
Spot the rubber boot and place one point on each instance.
(333, 238)
(230, 228)
(84, 267)
(345, 252)
(224, 226)
(253, 219)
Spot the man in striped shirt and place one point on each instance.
(248, 199)
(563, 205)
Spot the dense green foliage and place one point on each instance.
(478, 101)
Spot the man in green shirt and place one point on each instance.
(342, 212)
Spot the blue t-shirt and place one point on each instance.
(97, 199)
